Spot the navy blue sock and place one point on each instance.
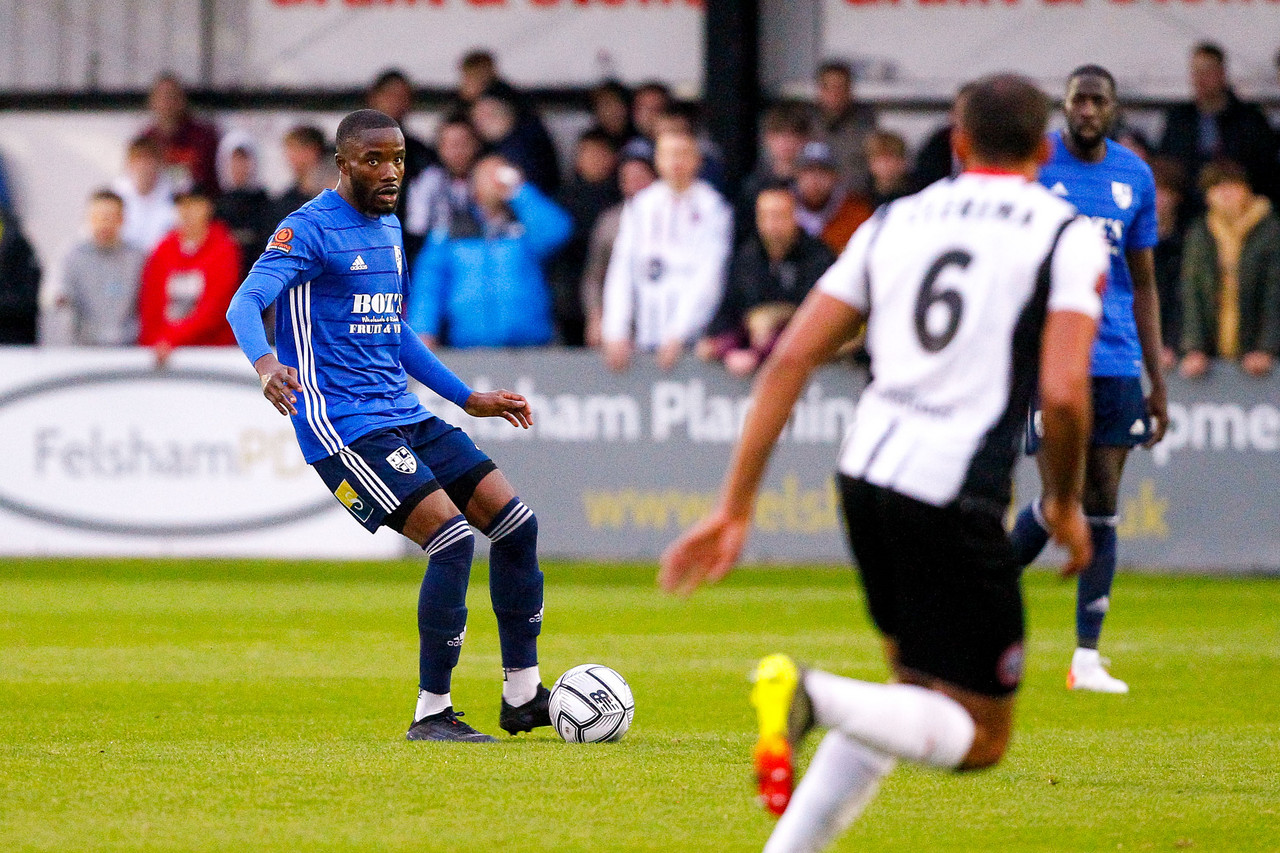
(1093, 590)
(515, 583)
(1029, 535)
(442, 603)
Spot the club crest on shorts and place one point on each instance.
(1122, 193)
(402, 460)
(1009, 668)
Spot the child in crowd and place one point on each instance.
(101, 277)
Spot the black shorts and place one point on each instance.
(941, 582)
(382, 475)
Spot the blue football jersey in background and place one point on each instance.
(1119, 194)
(338, 321)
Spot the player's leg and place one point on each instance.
(961, 662)
(1103, 470)
(515, 581)
(382, 482)
(436, 525)
(1120, 423)
(1030, 534)
(516, 590)
(953, 614)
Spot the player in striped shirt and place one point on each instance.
(335, 270)
(976, 292)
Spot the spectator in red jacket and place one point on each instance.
(188, 282)
(190, 146)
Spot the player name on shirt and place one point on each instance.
(956, 282)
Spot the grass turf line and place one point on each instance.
(204, 705)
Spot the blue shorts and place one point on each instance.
(1120, 416)
(387, 469)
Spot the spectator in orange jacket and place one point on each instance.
(188, 282)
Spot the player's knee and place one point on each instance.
(516, 527)
(989, 745)
(453, 538)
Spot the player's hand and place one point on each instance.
(1158, 412)
(500, 404)
(279, 383)
(704, 554)
(1066, 522)
(617, 355)
(669, 354)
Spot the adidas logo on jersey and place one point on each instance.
(1058, 189)
(358, 264)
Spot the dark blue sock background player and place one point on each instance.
(335, 269)
(1112, 186)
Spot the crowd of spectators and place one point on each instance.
(639, 246)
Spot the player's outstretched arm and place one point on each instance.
(708, 551)
(423, 365)
(1065, 403)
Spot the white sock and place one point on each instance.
(842, 778)
(1086, 658)
(903, 720)
(431, 703)
(519, 686)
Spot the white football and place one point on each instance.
(591, 703)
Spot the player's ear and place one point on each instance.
(961, 147)
(341, 162)
(1043, 151)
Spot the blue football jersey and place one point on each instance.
(338, 321)
(1119, 194)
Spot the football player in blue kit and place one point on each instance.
(335, 270)
(1111, 185)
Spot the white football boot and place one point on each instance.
(1088, 672)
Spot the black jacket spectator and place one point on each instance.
(519, 136)
(19, 283)
(1244, 137)
(1168, 260)
(754, 280)
(591, 191)
(934, 160)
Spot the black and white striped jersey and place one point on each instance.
(956, 282)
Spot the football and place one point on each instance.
(591, 703)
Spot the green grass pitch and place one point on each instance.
(201, 706)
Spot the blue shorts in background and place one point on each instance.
(380, 470)
(1119, 415)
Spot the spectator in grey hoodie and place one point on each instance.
(101, 278)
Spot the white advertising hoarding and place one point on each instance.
(318, 43)
(107, 455)
(930, 47)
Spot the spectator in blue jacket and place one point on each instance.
(479, 280)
